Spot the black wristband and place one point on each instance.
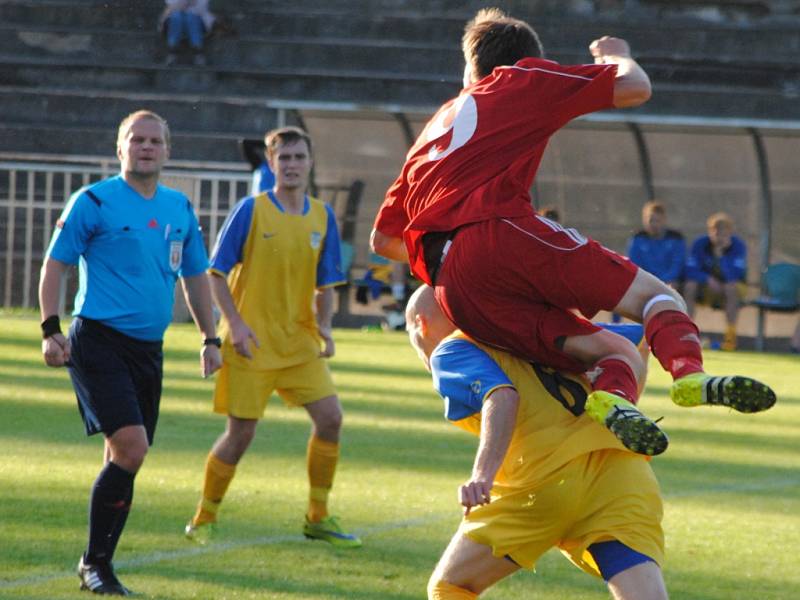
(215, 341)
(51, 326)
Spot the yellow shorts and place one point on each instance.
(706, 297)
(244, 393)
(601, 496)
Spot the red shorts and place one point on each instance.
(514, 284)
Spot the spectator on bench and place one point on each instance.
(656, 249)
(715, 273)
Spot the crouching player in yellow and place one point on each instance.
(545, 474)
(276, 257)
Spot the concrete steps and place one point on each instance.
(677, 92)
(103, 109)
(306, 84)
(367, 55)
(70, 68)
(64, 139)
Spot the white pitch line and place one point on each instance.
(218, 548)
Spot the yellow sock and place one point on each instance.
(441, 590)
(729, 341)
(218, 477)
(321, 459)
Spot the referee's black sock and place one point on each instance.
(119, 524)
(108, 510)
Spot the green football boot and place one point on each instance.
(200, 534)
(637, 432)
(329, 530)
(739, 393)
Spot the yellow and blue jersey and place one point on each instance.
(129, 251)
(551, 427)
(273, 262)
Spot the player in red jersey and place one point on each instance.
(460, 212)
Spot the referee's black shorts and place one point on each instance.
(117, 378)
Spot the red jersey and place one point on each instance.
(477, 157)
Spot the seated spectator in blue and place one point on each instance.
(263, 179)
(255, 152)
(716, 271)
(656, 249)
(190, 20)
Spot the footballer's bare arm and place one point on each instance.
(387, 246)
(498, 418)
(240, 332)
(632, 85)
(55, 346)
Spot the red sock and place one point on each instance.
(673, 339)
(616, 377)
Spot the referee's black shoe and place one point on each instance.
(100, 579)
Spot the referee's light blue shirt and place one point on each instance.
(129, 251)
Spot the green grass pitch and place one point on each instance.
(731, 485)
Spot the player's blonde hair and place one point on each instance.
(126, 123)
(719, 218)
(492, 39)
(653, 206)
(285, 135)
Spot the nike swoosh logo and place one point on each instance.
(269, 235)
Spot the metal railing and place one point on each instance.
(34, 190)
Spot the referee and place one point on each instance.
(131, 239)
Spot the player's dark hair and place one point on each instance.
(550, 212)
(285, 135)
(492, 39)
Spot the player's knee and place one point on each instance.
(236, 440)
(646, 290)
(241, 439)
(329, 425)
(666, 299)
(128, 446)
(129, 457)
(438, 589)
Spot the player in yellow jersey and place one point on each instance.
(274, 267)
(545, 473)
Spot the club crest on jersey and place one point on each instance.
(316, 238)
(175, 254)
(475, 388)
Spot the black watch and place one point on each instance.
(215, 341)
